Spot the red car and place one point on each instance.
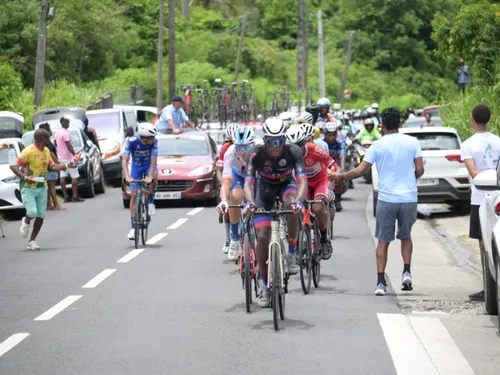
(186, 168)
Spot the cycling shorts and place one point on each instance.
(317, 188)
(266, 196)
(137, 172)
(237, 181)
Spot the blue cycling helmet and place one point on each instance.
(243, 136)
(323, 102)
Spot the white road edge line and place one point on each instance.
(12, 341)
(131, 255)
(99, 278)
(156, 238)
(178, 223)
(195, 211)
(56, 309)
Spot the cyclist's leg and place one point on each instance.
(136, 174)
(321, 192)
(152, 189)
(288, 196)
(235, 197)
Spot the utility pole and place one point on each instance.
(40, 53)
(340, 98)
(185, 9)
(301, 49)
(159, 76)
(240, 46)
(321, 57)
(171, 48)
(306, 58)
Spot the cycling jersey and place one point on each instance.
(339, 148)
(234, 168)
(222, 152)
(365, 135)
(140, 153)
(317, 161)
(322, 144)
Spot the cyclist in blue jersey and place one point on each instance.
(142, 149)
(337, 147)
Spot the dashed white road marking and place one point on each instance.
(99, 278)
(156, 238)
(178, 223)
(56, 309)
(195, 211)
(131, 255)
(12, 341)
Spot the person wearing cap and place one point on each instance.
(173, 117)
(463, 75)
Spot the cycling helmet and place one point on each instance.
(230, 130)
(295, 135)
(306, 117)
(330, 127)
(243, 135)
(324, 102)
(287, 118)
(375, 105)
(317, 133)
(369, 121)
(146, 129)
(274, 127)
(308, 129)
(370, 110)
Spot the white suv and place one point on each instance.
(445, 179)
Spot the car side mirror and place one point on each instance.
(486, 180)
(129, 132)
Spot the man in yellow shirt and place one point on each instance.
(32, 167)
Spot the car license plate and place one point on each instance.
(427, 182)
(168, 196)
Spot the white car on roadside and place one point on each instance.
(489, 215)
(445, 179)
(10, 195)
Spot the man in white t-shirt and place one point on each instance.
(480, 153)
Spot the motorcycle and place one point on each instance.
(360, 150)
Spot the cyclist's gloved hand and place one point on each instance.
(331, 196)
(298, 206)
(222, 207)
(250, 207)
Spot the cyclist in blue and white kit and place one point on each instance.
(337, 147)
(143, 149)
(233, 175)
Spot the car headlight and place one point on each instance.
(200, 171)
(112, 150)
(11, 180)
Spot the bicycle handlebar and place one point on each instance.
(308, 203)
(236, 206)
(137, 182)
(274, 212)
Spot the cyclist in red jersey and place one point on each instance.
(318, 164)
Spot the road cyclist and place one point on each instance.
(142, 152)
(337, 146)
(274, 162)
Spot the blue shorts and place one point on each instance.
(52, 176)
(136, 172)
(237, 182)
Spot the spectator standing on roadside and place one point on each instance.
(399, 164)
(66, 154)
(428, 120)
(36, 162)
(52, 177)
(173, 117)
(463, 75)
(480, 153)
(91, 133)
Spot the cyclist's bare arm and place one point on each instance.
(250, 179)
(125, 160)
(152, 169)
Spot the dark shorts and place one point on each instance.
(266, 196)
(475, 224)
(405, 214)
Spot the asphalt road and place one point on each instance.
(88, 304)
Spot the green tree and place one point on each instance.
(10, 86)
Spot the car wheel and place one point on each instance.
(100, 187)
(490, 287)
(89, 190)
(375, 199)
(126, 203)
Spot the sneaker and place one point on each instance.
(131, 234)
(77, 199)
(151, 209)
(25, 227)
(293, 266)
(406, 282)
(381, 290)
(234, 250)
(338, 206)
(32, 245)
(264, 299)
(477, 297)
(326, 250)
(225, 248)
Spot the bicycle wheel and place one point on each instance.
(144, 220)
(305, 258)
(137, 219)
(284, 283)
(247, 268)
(275, 286)
(316, 267)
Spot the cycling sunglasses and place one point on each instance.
(275, 142)
(240, 148)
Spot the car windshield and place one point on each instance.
(7, 123)
(4, 156)
(218, 136)
(105, 124)
(437, 141)
(183, 146)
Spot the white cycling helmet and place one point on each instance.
(146, 129)
(230, 129)
(287, 118)
(243, 136)
(306, 117)
(375, 105)
(330, 127)
(274, 127)
(308, 129)
(295, 134)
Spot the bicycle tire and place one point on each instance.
(137, 219)
(144, 221)
(284, 286)
(275, 286)
(247, 276)
(316, 268)
(305, 258)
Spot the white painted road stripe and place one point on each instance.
(156, 238)
(131, 255)
(11, 342)
(56, 309)
(99, 278)
(178, 223)
(407, 352)
(195, 211)
(439, 345)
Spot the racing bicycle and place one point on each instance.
(141, 213)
